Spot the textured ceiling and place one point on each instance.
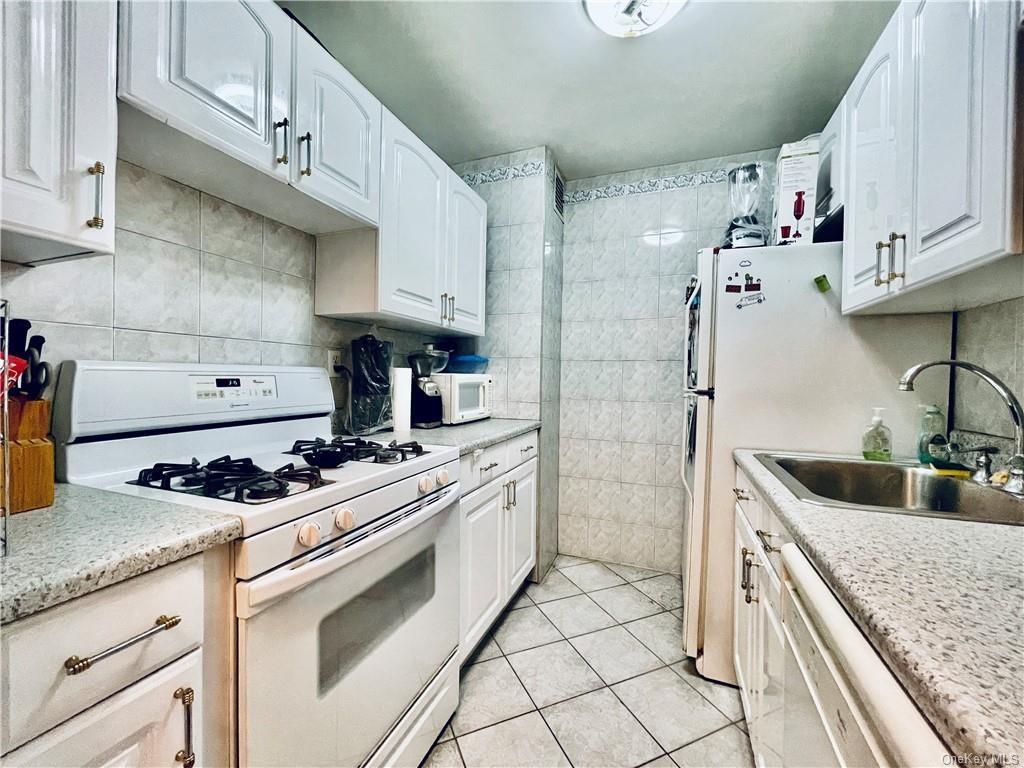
(474, 79)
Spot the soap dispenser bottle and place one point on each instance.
(933, 433)
(877, 441)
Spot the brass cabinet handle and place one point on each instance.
(282, 159)
(74, 665)
(515, 493)
(444, 306)
(451, 308)
(743, 568)
(489, 467)
(878, 261)
(742, 494)
(504, 496)
(308, 138)
(527, 449)
(763, 537)
(97, 170)
(748, 563)
(186, 756)
(893, 237)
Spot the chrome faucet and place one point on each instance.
(1015, 484)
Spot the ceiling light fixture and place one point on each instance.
(631, 18)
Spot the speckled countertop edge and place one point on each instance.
(466, 437)
(942, 601)
(90, 539)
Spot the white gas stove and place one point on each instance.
(348, 561)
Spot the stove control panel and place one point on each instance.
(233, 389)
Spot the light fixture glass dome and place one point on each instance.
(631, 18)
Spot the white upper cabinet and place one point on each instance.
(957, 133)
(872, 189)
(335, 134)
(935, 161)
(217, 71)
(413, 226)
(59, 152)
(467, 253)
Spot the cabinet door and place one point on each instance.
(521, 538)
(873, 184)
(143, 725)
(336, 139)
(831, 159)
(58, 80)
(219, 71)
(413, 223)
(772, 656)
(482, 579)
(957, 131)
(467, 256)
(745, 622)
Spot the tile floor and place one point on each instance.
(586, 670)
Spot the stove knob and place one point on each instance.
(426, 484)
(345, 519)
(442, 476)
(309, 534)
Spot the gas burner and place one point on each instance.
(397, 452)
(359, 448)
(302, 446)
(231, 479)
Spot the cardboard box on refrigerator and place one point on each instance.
(796, 183)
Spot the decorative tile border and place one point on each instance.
(648, 185)
(532, 168)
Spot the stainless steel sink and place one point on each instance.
(891, 487)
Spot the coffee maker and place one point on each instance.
(426, 411)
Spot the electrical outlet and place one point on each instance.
(334, 358)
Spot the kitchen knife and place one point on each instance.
(17, 334)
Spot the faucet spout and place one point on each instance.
(1016, 483)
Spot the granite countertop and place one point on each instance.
(466, 437)
(942, 601)
(90, 539)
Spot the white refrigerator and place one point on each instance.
(771, 363)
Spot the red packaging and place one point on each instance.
(12, 370)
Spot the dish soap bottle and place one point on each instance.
(933, 432)
(877, 441)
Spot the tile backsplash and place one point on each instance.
(630, 249)
(193, 279)
(991, 336)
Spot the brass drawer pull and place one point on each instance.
(893, 237)
(743, 495)
(98, 170)
(878, 262)
(749, 564)
(186, 756)
(489, 467)
(308, 138)
(527, 449)
(74, 665)
(763, 537)
(451, 307)
(515, 494)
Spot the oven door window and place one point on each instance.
(327, 670)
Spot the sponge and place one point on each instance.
(950, 468)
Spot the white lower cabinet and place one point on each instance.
(156, 721)
(498, 549)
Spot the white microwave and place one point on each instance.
(464, 396)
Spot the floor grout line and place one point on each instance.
(605, 685)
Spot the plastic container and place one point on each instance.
(467, 364)
(933, 433)
(876, 443)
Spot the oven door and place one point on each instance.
(334, 647)
(471, 398)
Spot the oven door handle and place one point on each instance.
(251, 597)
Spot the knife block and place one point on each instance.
(31, 455)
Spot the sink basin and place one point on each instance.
(891, 487)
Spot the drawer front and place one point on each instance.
(523, 448)
(849, 733)
(38, 692)
(748, 498)
(483, 465)
(143, 725)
